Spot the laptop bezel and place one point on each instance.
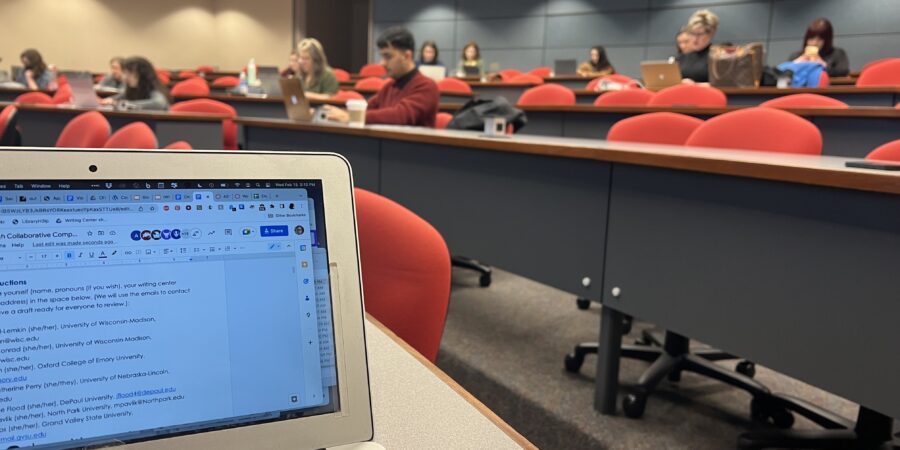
(353, 420)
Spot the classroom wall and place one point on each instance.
(84, 34)
(529, 33)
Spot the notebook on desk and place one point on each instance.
(180, 300)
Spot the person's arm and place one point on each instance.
(30, 82)
(156, 102)
(423, 99)
(839, 64)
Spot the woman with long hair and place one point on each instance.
(599, 64)
(319, 81)
(35, 75)
(143, 90)
(471, 57)
(818, 47)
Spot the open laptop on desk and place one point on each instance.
(180, 300)
(562, 67)
(83, 93)
(660, 74)
(268, 78)
(296, 105)
(436, 73)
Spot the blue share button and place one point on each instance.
(273, 230)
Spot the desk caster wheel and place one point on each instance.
(746, 368)
(765, 412)
(633, 405)
(485, 280)
(583, 303)
(573, 362)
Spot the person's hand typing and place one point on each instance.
(336, 114)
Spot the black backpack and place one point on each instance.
(471, 116)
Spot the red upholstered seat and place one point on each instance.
(405, 271)
(63, 94)
(372, 70)
(762, 129)
(86, 130)
(689, 95)
(876, 62)
(191, 88)
(34, 98)
(627, 97)
(442, 120)
(885, 73)
(206, 69)
(804, 101)
(341, 74)
(508, 74)
(133, 135)
(655, 128)
(7, 118)
(165, 77)
(547, 94)
(179, 145)
(454, 85)
(187, 74)
(227, 81)
(205, 105)
(543, 72)
(343, 96)
(525, 78)
(886, 152)
(370, 83)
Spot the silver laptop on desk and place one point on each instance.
(169, 300)
(436, 73)
(83, 93)
(268, 78)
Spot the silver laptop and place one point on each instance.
(268, 78)
(660, 74)
(565, 67)
(436, 73)
(83, 94)
(168, 300)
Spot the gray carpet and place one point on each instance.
(506, 343)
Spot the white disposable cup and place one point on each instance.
(357, 111)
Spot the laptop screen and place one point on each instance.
(136, 310)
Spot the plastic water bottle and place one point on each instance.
(251, 72)
(242, 84)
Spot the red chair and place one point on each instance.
(508, 74)
(897, 106)
(226, 82)
(206, 69)
(689, 95)
(454, 85)
(34, 98)
(98, 78)
(62, 95)
(615, 78)
(627, 97)
(191, 89)
(86, 130)
(209, 106)
(886, 152)
(343, 96)
(655, 128)
(7, 118)
(804, 101)
(198, 80)
(885, 73)
(543, 72)
(405, 271)
(372, 70)
(547, 94)
(824, 79)
(762, 129)
(875, 62)
(133, 135)
(525, 78)
(179, 145)
(442, 120)
(373, 83)
(165, 77)
(187, 74)
(341, 74)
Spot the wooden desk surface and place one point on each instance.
(803, 169)
(227, 98)
(160, 116)
(856, 111)
(767, 90)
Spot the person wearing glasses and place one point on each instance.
(701, 29)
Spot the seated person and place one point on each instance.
(694, 64)
(319, 81)
(113, 80)
(820, 35)
(143, 90)
(408, 98)
(599, 64)
(471, 57)
(682, 42)
(293, 67)
(428, 55)
(35, 75)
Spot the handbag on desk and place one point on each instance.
(736, 65)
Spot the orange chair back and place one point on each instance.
(86, 130)
(886, 152)
(370, 83)
(627, 97)
(190, 88)
(226, 82)
(508, 74)
(179, 145)
(343, 96)
(689, 95)
(442, 120)
(761, 129)
(206, 105)
(543, 72)
(133, 135)
(372, 70)
(525, 78)
(341, 74)
(885, 73)
(547, 94)
(655, 128)
(804, 101)
(34, 98)
(206, 69)
(63, 94)
(454, 85)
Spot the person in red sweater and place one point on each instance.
(408, 98)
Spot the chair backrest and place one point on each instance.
(165, 77)
(885, 73)
(34, 98)
(370, 83)
(615, 78)
(206, 69)
(655, 128)
(187, 74)
(454, 85)
(442, 120)
(547, 94)
(762, 129)
(179, 145)
(86, 130)
(543, 72)
(508, 74)
(405, 271)
(191, 88)
(525, 78)
(341, 74)
(343, 96)
(804, 101)
(886, 152)
(626, 97)
(206, 105)
(875, 62)
(63, 94)
(7, 118)
(226, 81)
(372, 70)
(689, 95)
(824, 79)
(133, 135)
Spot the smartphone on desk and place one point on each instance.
(877, 165)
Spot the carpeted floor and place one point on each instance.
(506, 343)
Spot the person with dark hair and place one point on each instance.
(682, 42)
(428, 55)
(408, 98)
(818, 47)
(143, 90)
(113, 79)
(599, 64)
(36, 75)
(471, 57)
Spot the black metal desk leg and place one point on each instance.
(608, 361)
